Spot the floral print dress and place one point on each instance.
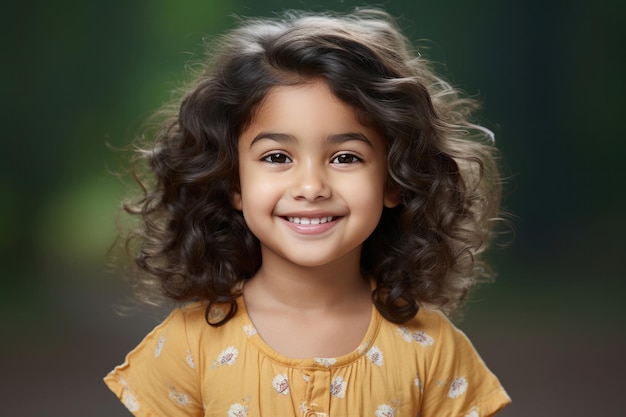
(423, 368)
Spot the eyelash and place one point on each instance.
(284, 159)
(353, 159)
(281, 158)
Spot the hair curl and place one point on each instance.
(192, 245)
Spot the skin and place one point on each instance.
(312, 191)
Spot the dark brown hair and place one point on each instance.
(193, 245)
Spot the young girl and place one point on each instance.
(319, 199)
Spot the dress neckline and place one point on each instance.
(316, 363)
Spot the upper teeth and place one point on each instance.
(307, 220)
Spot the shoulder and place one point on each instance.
(433, 342)
(194, 317)
(431, 319)
(428, 328)
(179, 327)
(171, 338)
(189, 316)
(437, 339)
(161, 373)
(191, 322)
(453, 375)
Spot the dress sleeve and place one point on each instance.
(159, 377)
(459, 384)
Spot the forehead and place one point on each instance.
(307, 109)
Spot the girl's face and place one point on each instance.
(312, 177)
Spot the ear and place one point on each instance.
(391, 198)
(235, 200)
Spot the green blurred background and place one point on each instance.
(77, 75)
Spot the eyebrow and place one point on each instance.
(332, 139)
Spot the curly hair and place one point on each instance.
(191, 244)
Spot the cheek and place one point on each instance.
(366, 194)
(258, 193)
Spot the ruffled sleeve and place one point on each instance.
(159, 377)
(459, 384)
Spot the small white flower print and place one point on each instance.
(473, 413)
(281, 384)
(190, 361)
(159, 347)
(418, 336)
(418, 383)
(385, 410)
(363, 346)
(179, 397)
(423, 339)
(325, 362)
(129, 401)
(306, 377)
(306, 408)
(375, 355)
(237, 410)
(406, 335)
(249, 330)
(457, 387)
(228, 356)
(338, 387)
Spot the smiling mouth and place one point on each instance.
(310, 220)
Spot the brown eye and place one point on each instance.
(345, 158)
(277, 158)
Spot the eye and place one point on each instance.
(277, 158)
(345, 158)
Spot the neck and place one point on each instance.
(302, 289)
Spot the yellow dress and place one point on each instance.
(423, 368)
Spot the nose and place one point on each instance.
(310, 183)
